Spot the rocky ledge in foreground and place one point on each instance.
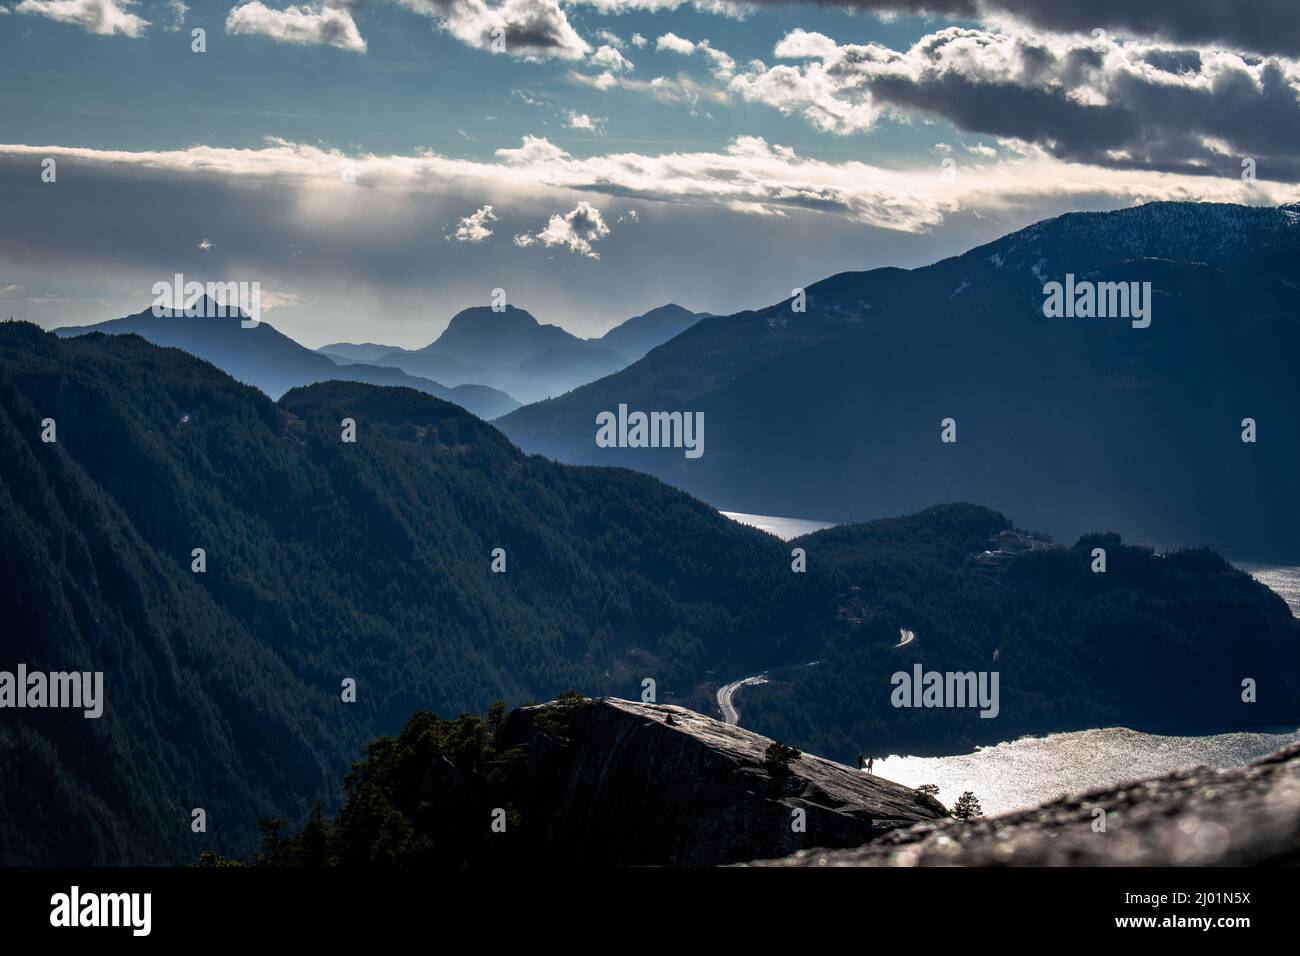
(1196, 817)
(617, 782)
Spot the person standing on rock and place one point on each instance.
(862, 760)
(870, 763)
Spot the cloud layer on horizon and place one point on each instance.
(750, 175)
(285, 214)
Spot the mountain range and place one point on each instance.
(267, 359)
(232, 564)
(325, 560)
(510, 350)
(832, 405)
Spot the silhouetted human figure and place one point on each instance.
(670, 722)
(862, 760)
(870, 763)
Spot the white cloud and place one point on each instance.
(735, 9)
(536, 150)
(638, 40)
(575, 231)
(723, 65)
(532, 29)
(675, 44)
(611, 60)
(319, 23)
(178, 10)
(667, 89)
(829, 100)
(582, 121)
(473, 228)
(101, 17)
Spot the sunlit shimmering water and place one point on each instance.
(783, 528)
(1284, 581)
(1024, 773)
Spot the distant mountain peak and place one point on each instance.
(484, 335)
(203, 307)
(671, 308)
(488, 313)
(641, 333)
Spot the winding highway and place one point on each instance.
(727, 691)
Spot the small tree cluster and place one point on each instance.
(778, 756)
(967, 807)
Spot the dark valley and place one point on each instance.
(327, 560)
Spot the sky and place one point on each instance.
(378, 165)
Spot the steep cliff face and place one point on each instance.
(614, 782)
(1196, 817)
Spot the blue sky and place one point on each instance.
(626, 161)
